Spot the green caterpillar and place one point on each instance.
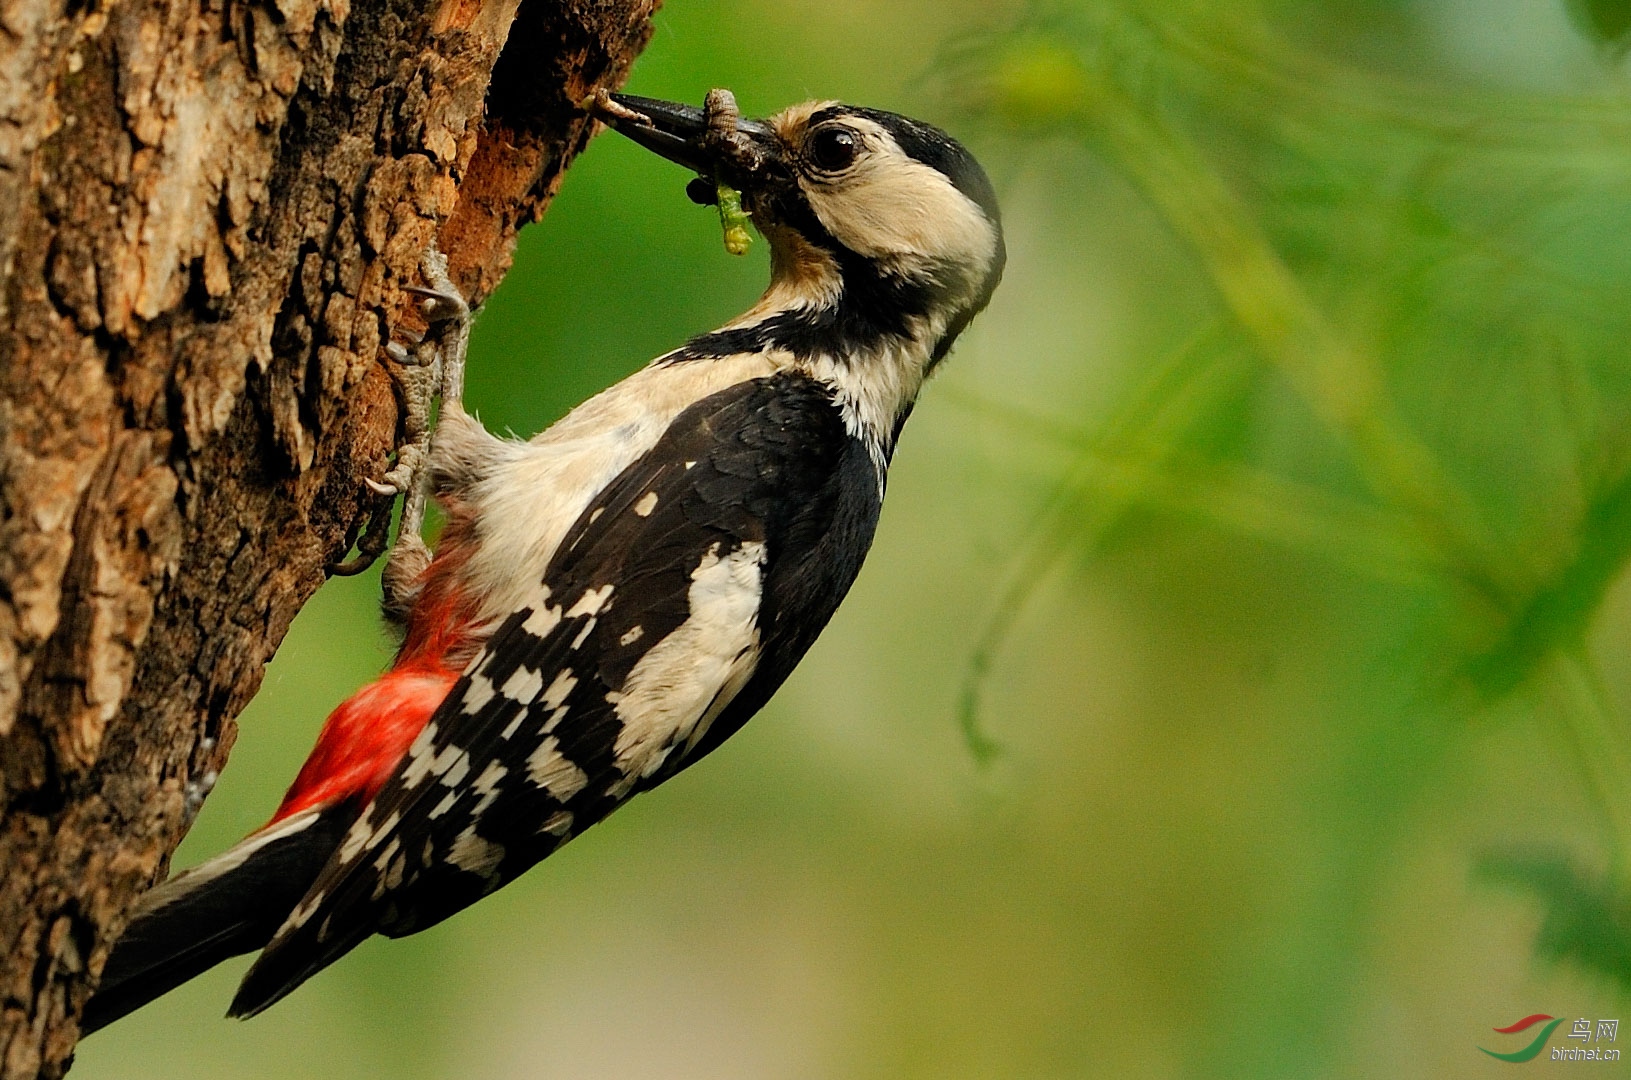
(733, 219)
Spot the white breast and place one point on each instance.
(530, 493)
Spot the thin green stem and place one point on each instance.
(1341, 383)
(1598, 734)
(1374, 541)
(1191, 383)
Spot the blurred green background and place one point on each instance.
(1239, 684)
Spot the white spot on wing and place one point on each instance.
(553, 772)
(693, 673)
(542, 622)
(382, 865)
(422, 763)
(477, 695)
(456, 770)
(647, 503)
(741, 672)
(532, 493)
(554, 700)
(557, 824)
(583, 635)
(419, 756)
(356, 837)
(562, 686)
(475, 854)
(523, 686)
(389, 824)
(654, 762)
(591, 602)
(486, 785)
(632, 636)
(302, 913)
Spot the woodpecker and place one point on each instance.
(613, 598)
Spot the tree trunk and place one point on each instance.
(208, 210)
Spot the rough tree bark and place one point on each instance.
(208, 209)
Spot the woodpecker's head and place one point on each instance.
(884, 231)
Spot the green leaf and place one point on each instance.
(1607, 22)
(1587, 919)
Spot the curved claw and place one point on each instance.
(440, 306)
(352, 567)
(381, 489)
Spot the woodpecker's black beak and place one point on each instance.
(666, 128)
(714, 142)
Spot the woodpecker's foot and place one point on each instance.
(416, 375)
(449, 317)
(400, 583)
(371, 541)
(441, 370)
(425, 365)
(416, 384)
(431, 364)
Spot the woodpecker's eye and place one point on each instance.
(834, 148)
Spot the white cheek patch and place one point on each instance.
(895, 208)
(706, 659)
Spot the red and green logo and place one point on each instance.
(1532, 1051)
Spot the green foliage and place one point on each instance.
(1607, 21)
(1588, 921)
(1422, 270)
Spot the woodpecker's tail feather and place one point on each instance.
(277, 972)
(226, 907)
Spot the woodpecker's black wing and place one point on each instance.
(674, 608)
